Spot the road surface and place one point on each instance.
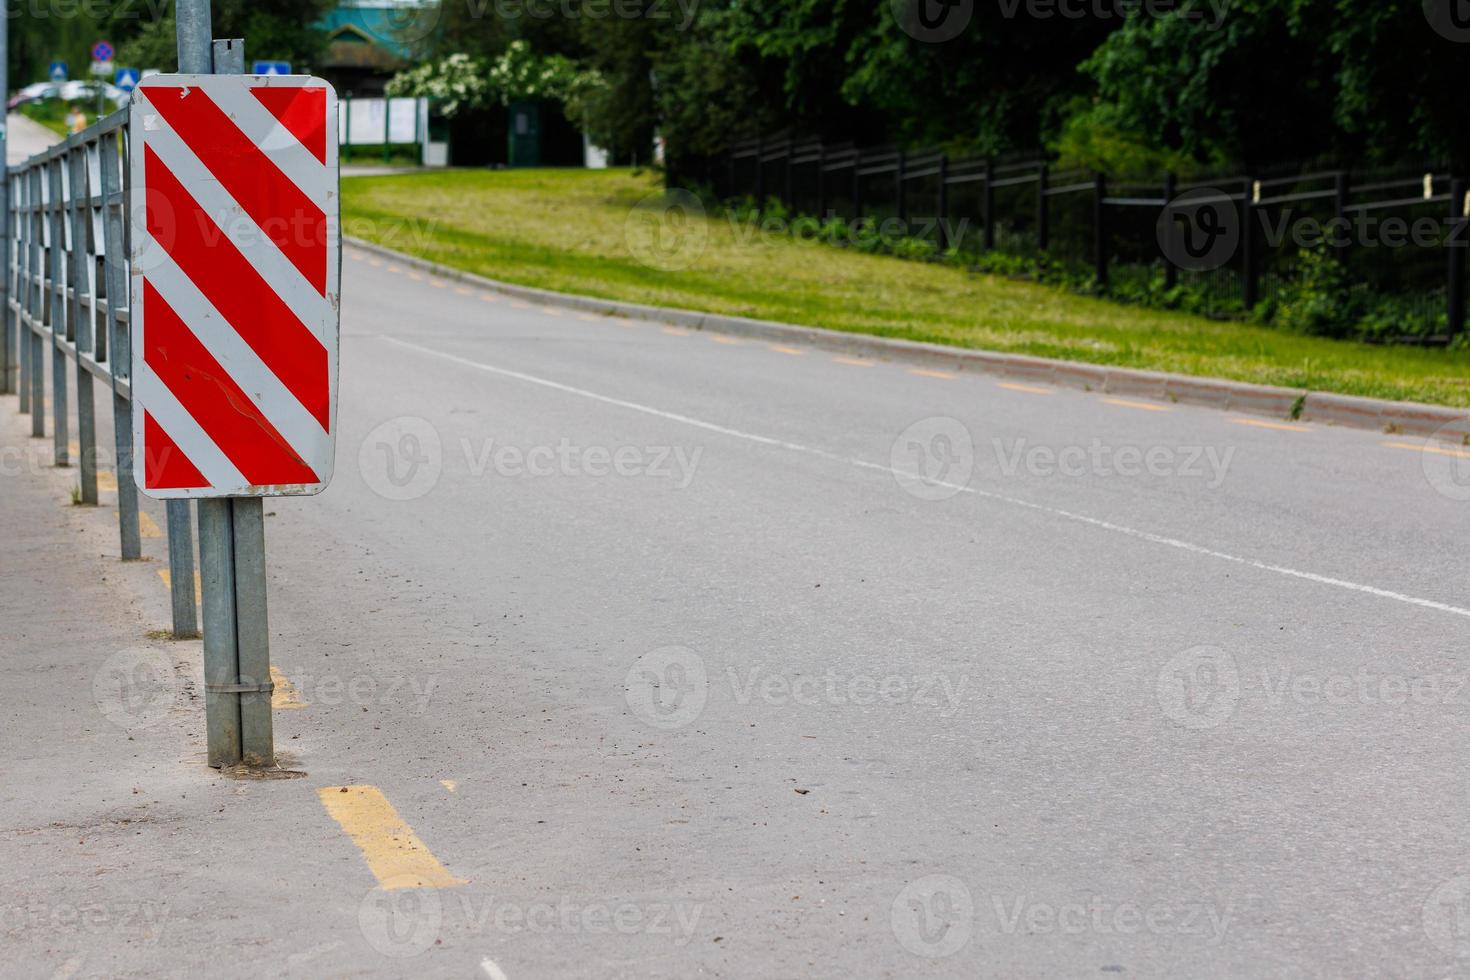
(662, 654)
(25, 138)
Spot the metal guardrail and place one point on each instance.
(68, 283)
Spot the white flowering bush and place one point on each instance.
(459, 81)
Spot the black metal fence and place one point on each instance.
(1399, 237)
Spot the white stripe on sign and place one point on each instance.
(275, 401)
(192, 440)
(284, 279)
(284, 149)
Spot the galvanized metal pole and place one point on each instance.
(119, 350)
(195, 31)
(181, 568)
(9, 320)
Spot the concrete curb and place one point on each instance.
(1413, 418)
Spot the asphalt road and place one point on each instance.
(682, 656)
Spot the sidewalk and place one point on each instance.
(25, 138)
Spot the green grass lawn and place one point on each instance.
(571, 230)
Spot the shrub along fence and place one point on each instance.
(1373, 254)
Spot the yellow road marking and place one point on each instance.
(74, 447)
(626, 324)
(464, 290)
(1141, 406)
(356, 257)
(1017, 386)
(394, 268)
(147, 527)
(415, 277)
(1426, 448)
(591, 317)
(394, 853)
(1263, 424)
(107, 480)
(284, 697)
(448, 784)
(520, 304)
(490, 297)
(438, 285)
(927, 373)
(168, 582)
(551, 311)
(793, 351)
(732, 341)
(376, 262)
(676, 332)
(852, 361)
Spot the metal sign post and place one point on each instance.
(234, 334)
(10, 328)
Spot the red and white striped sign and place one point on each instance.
(236, 270)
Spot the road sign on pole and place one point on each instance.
(271, 68)
(59, 71)
(102, 51)
(237, 267)
(102, 69)
(127, 79)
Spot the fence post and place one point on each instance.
(989, 204)
(899, 201)
(787, 198)
(1248, 283)
(56, 318)
(388, 131)
(9, 324)
(81, 269)
(1459, 229)
(1171, 271)
(821, 181)
(941, 203)
(857, 186)
(114, 234)
(1099, 231)
(37, 296)
(760, 174)
(1340, 197)
(1043, 217)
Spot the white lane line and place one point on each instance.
(491, 970)
(987, 494)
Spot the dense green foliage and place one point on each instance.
(1112, 83)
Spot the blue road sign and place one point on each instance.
(59, 71)
(102, 51)
(127, 79)
(271, 68)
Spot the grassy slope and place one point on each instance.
(569, 230)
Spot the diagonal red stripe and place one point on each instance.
(231, 284)
(165, 467)
(303, 111)
(282, 210)
(233, 422)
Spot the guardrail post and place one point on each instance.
(941, 205)
(857, 186)
(1459, 232)
(1340, 207)
(119, 347)
(821, 181)
(257, 741)
(25, 229)
(1248, 281)
(989, 204)
(900, 172)
(56, 316)
(81, 325)
(9, 322)
(181, 569)
(36, 295)
(221, 656)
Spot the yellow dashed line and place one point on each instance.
(1028, 389)
(438, 285)
(376, 262)
(717, 338)
(464, 290)
(676, 332)
(853, 362)
(394, 853)
(1426, 448)
(520, 304)
(1263, 424)
(284, 697)
(793, 351)
(415, 277)
(490, 297)
(551, 311)
(1141, 406)
(590, 317)
(168, 583)
(928, 373)
(394, 268)
(147, 526)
